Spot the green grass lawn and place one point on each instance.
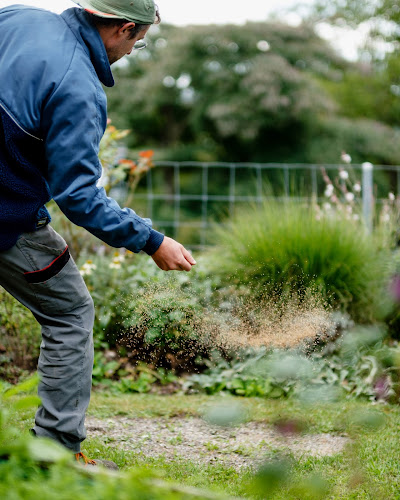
(368, 468)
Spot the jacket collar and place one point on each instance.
(87, 34)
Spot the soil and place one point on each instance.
(245, 446)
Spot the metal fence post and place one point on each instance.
(232, 180)
(204, 205)
(367, 194)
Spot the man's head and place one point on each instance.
(121, 23)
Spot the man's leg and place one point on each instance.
(39, 273)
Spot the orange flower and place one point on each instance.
(128, 163)
(146, 154)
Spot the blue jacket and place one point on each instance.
(52, 118)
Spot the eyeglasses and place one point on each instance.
(139, 45)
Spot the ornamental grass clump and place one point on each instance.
(284, 249)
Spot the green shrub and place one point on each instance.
(279, 249)
(365, 140)
(148, 315)
(20, 337)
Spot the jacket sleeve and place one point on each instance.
(73, 122)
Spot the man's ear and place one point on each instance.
(126, 28)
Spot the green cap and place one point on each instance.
(137, 11)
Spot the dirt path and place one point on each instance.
(194, 439)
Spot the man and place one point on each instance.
(52, 117)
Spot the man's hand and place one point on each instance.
(172, 256)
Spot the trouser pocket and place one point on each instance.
(51, 272)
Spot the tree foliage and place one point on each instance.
(385, 14)
(371, 90)
(259, 92)
(230, 91)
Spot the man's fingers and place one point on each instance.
(185, 266)
(188, 256)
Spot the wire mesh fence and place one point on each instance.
(184, 199)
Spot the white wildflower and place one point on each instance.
(183, 81)
(349, 197)
(329, 190)
(386, 217)
(117, 261)
(114, 265)
(345, 158)
(357, 187)
(118, 258)
(169, 81)
(87, 268)
(241, 68)
(327, 206)
(356, 217)
(392, 197)
(343, 174)
(263, 46)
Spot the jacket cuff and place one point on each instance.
(153, 243)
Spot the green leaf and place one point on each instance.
(27, 402)
(25, 386)
(152, 335)
(46, 450)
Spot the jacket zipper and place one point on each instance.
(18, 125)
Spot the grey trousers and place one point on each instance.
(39, 272)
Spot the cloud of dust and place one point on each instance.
(272, 323)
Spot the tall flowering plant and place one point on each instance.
(117, 169)
(343, 195)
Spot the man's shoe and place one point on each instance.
(82, 459)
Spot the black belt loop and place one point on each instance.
(42, 222)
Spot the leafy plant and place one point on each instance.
(21, 448)
(248, 377)
(145, 314)
(20, 337)
(360, 364)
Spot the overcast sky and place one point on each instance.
(183, 12)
